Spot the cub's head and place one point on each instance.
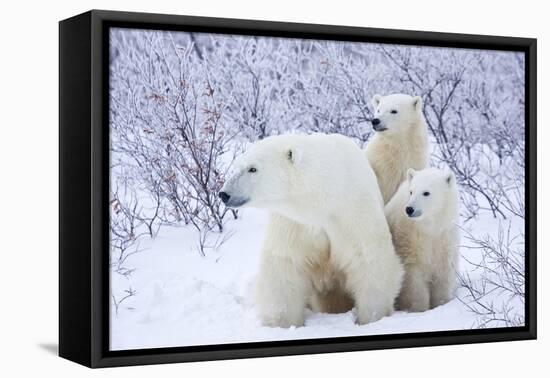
(432, 194)
(263, 176)
(395, 112)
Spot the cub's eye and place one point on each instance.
(411, 192)
(426, 194)
(252, 169)
(393, 111)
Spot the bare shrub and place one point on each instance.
(497, 296)
(167, 131)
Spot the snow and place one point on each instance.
(185, 299)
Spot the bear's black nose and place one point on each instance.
(409, 210)
(224, 196)
(375, 121)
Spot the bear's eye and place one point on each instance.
(411, 192)
(426, 194)
(252, 170)
(393, 111)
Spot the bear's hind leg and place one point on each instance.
(445, 281)
(442, 287)
(333, 301)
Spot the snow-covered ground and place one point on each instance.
(185, 299)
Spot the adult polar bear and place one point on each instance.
(324, 184)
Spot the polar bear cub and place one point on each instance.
(324, 184)
(422, 217)
(400, 142)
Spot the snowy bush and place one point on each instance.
(167, 132)
(498, 294)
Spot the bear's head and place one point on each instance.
(262, 176)
(432, 195)
(395, 112)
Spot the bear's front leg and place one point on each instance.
(373, 286)
(415, 293)
(282, 292)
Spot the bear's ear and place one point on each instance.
(410, 174)
(376, 100)
(294, 155)
(449, 177)
(417, 102)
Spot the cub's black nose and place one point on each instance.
(409, 210)
(224, 196)
(375, 121)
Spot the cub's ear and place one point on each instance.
(450, 177)
(294, 155)
(376, 100)
(417, 102)
(410, 174)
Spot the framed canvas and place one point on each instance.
(234, 188)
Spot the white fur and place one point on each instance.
(428, 241)
(327, 231)
(403, 143)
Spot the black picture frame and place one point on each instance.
(84, 195)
